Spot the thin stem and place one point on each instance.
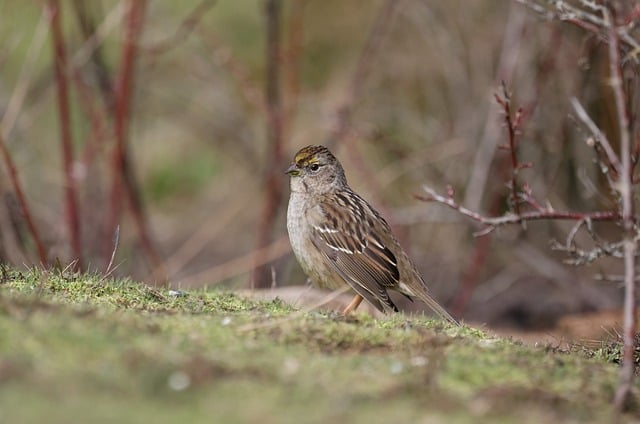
(275, 127)
(599, 136)
(122, 178)
(60, 60)
(626, 194)
(493, 222)
(512, 124)
(22, 201)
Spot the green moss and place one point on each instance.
(114, 350)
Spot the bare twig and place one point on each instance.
(512, 123)
(625, 187)
(273, 89)
(97, 35)
(123, 183)
(510, 218)
(60, 60)
(599, 137)
(582, 256)
(591, 22)
(121, 112)
(570, 242)
(22, 201)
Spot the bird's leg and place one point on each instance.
(353, 305)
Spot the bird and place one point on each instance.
(338, 238)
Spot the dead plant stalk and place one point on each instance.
(71, 199)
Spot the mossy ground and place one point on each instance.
(89, 349)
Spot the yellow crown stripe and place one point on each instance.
(308, 155)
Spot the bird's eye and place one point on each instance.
(314, 167)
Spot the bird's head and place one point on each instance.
(315, 169)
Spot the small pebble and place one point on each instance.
(177, 293)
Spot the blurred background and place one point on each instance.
(149, 139)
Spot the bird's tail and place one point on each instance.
(423, 295)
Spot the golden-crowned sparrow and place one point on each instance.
(338, 238)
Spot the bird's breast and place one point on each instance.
(297, 226)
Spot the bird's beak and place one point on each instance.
(292, 170)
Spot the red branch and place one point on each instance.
(512, 124)
(22, 201)
(273, 91)
(122, 99)
(71, 202)
(123, 182)
(493, 222)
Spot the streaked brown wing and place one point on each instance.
(355, 252)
